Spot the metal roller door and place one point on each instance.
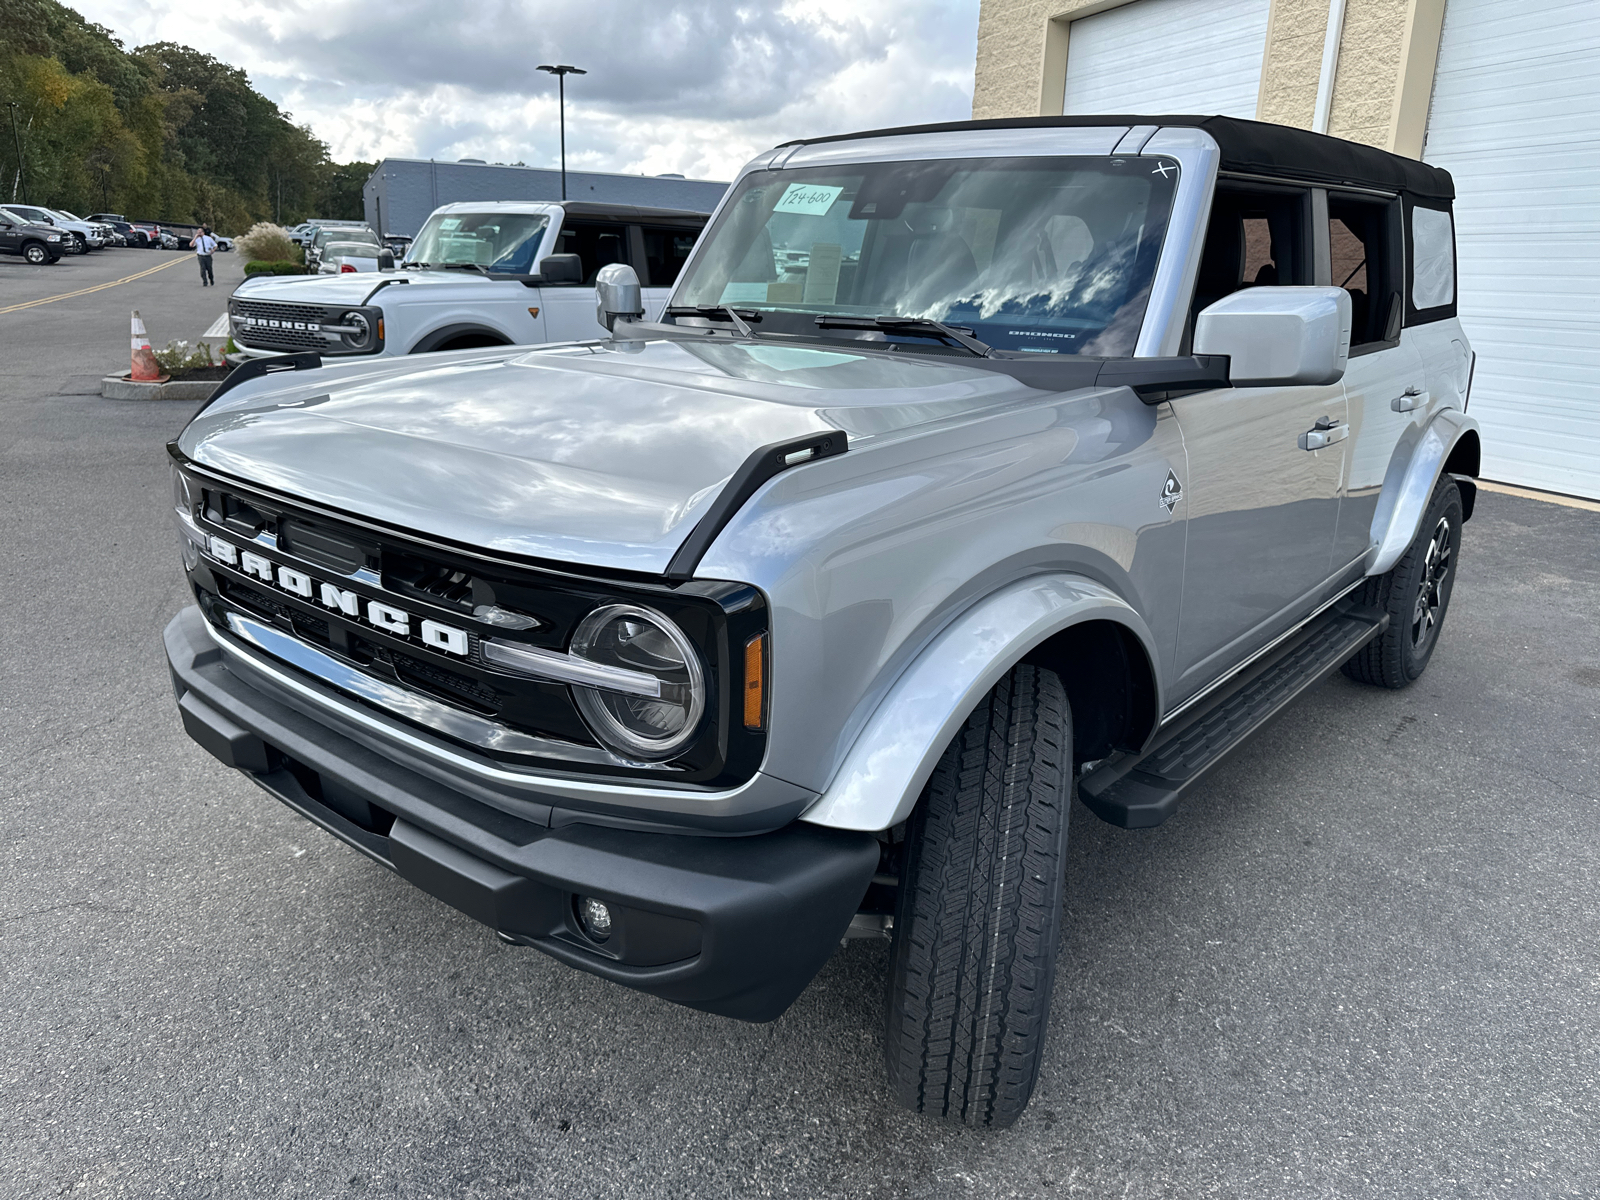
(1516, 119)
(1168, 56)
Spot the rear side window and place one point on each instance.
(1433, 259)
(596, 243)
(665, 251)
(1363, 242)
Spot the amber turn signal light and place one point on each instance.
(755, 682)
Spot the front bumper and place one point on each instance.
(730, 925)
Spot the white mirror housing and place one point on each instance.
(617, 295)
(1275, 336)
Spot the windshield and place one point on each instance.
(64, 213)
(352, 250)
(326, 236)
(497, 241)
(1042, 255)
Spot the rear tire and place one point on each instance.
(978, 911)
(1415, 594)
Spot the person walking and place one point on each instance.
(204, 247)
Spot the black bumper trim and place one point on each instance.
(729, 925)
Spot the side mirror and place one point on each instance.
(617, 295)
(1275, 336)
(561, 268)
(385, 260)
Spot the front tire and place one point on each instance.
(1416, 595)
(978, 911)
(79, 246)
(36, 253)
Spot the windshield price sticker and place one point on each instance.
(810, 199)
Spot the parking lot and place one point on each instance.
(1363, 960)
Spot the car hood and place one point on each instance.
(604, 455)
(334, 289)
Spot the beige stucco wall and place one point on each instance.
(1382, 85)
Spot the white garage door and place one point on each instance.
(1516, 120)
(1168, 56)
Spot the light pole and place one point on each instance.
(561, 73)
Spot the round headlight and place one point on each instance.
(359, 323)
(640, 639)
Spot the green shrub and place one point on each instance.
(266, 242)
(274, 268)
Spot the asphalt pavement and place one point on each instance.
(1362, 961)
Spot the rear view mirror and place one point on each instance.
(561, 268)
(1276, 336)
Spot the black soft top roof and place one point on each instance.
(1253, 147)
(639, 212)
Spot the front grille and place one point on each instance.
(283, 335)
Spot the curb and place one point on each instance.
(118, 387)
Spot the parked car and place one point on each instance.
(78, 237)
(224, 244)
(144, 234)
(166, 239)
(398, 244)
(36, 243)
(299, 233)
(348, 258)
(1071, 453)
(103, 228)
(345, 234)
(479, 274)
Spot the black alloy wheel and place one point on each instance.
(1415, 594)
(1433, 588)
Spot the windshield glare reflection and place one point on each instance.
(1041, 255)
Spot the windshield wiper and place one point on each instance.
(719, 312)
(954, 334)
(478, 267)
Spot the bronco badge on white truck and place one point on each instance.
(495, 273)
(970, 468)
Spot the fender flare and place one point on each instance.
(434, 338)
(1400, 508)
(881, 777)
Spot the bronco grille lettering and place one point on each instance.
(445, 638)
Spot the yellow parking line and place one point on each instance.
(99, 287)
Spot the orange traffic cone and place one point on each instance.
(145, 369)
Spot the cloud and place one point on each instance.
(693, 86)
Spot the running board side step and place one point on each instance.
(1139, 791)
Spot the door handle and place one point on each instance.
(1412, 397)
(1326, 432)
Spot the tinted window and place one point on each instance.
(1045, 255)
(664, 253)
(597, 243)
(1363, 243)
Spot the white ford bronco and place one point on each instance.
(497, 273)
(974, 476)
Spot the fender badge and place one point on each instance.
(1171, 493)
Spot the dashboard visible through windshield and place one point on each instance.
(1040, 255)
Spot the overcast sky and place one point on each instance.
(692, 86)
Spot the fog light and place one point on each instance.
(595, 918)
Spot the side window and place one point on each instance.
(1363, 246)
(1433, 261)
(596, 243)
(1256, 238)
(665, 251)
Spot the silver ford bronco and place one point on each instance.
(969, 467)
